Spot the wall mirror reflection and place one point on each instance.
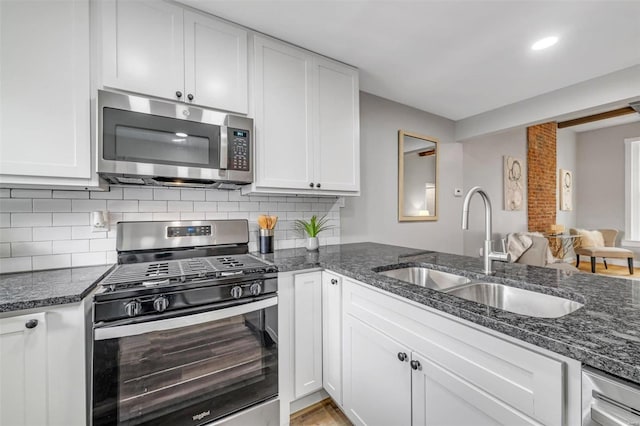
(417, 177)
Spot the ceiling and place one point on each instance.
(453, 58)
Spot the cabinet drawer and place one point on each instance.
(526, 380)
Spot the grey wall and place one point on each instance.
(600, 177)
(483, 166)
(374, 215)
(566, 159)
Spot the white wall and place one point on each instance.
(566, 159)
(600, 177)
(483, 166)
(374, 215)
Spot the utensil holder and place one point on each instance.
(266, 241)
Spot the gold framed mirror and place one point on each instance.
(417, 177)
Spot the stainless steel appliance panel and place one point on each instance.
(608, 401)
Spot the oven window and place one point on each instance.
(187, 376)
(145, 138)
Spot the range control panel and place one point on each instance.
(188, 231)
(239, 150)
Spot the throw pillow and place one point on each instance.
(590, 238)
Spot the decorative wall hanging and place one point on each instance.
(566, 190)
(513, 183)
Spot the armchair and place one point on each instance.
(597, 249)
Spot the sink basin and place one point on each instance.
(426, 277)
(516, 300)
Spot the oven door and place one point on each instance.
(186, 370)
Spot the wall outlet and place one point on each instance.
(457, 192)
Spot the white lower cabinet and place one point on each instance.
(332, 335)
(42, 365)
(307, 336)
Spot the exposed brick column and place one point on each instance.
(541, 176)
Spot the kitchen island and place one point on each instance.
(604, 333)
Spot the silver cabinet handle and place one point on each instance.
(32, 323)
(334, 281)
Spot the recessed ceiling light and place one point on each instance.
(544, 43)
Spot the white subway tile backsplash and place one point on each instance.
(138, 194)
(217, 195)
(113, 194)
(31, 248)
(30, 193)
(51, 205)
(205, 206)
(166, 194)
(15, 205)
(10, 235)
(122, 206)
(180, 206)
(31, 219)
(51, 233)
(192, 194)
(88, 205)
(56, 233)
(87, 259)
(70, 246)
(152, 206)
(54, 261)
(71, 219)
(86, 233)
(102, 245)
(192, 216)
(15, 264)
(70, 194)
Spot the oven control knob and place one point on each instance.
(133, 308)
(255, 289)
(161, 304)
(236, 292)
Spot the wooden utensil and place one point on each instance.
(262, 222)
(274, 220)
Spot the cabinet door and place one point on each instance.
(338, 135)
(143, 49)
(44, 88)
(332, 335)
(283, 125)
(23, 368)
(307, 305)
(215, 63)
(440, 397)
(377, 384)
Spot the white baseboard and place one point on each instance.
(306, 401)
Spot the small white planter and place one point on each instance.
(312, 243)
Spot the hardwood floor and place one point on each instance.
(323, 413)
(614, 270)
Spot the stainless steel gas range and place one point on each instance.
(185, 328)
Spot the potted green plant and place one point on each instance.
(312, 228)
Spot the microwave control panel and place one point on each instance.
(239, 150)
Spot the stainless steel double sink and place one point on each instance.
(501, 296)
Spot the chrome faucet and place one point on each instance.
(487, 252)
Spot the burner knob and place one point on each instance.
(161, 304)
(236, 292)
(255, 289)
(133, 308)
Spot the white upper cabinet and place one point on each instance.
(306, 111)
(143, 47)
(215, 63)
(338, 135)
(44, 91)
(283, 138)
(159, 49)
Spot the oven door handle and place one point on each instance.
(118, 331)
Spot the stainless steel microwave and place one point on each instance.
(144, 141)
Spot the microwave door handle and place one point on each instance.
(115, 332)
(224, 143)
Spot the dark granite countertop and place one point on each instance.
(604, 334)
(28, 290)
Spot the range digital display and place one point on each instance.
(188, 231)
